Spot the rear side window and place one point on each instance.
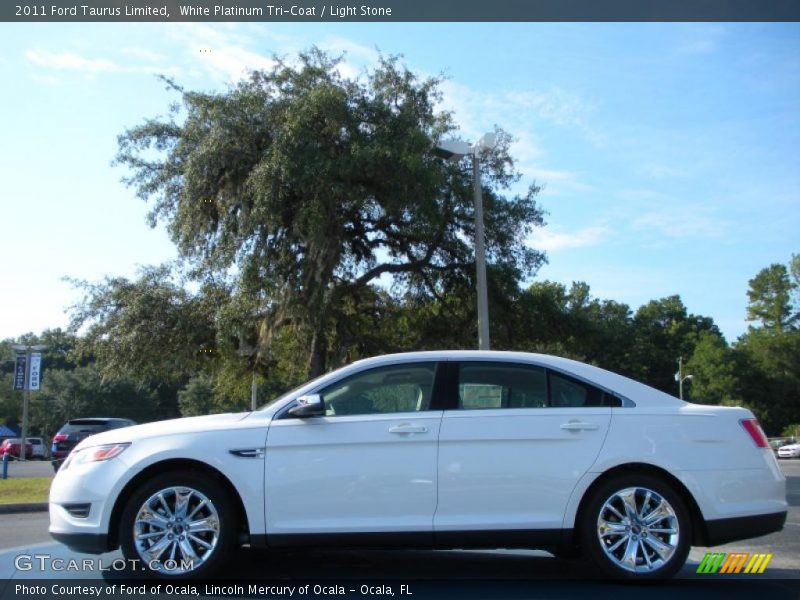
(566, 392)
(485, 385)
(499, 385)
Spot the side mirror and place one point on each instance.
(310, 405)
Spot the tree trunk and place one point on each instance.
(316, 356)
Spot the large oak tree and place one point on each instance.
(300, 188)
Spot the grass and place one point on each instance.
(24, 489)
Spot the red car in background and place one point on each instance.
(11, 446)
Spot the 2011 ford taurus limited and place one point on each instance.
(431, 449)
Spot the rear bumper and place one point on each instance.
(722, 531)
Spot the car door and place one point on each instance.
(515, 446)
(367, 465)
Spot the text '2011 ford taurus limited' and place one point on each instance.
(431, 449)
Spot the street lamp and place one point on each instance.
(680, 377)
(455, 150)
(26, 392)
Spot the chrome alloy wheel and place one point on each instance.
(176, 530)
(638, 530)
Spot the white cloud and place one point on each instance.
(642, 194)
(352, 50)
(660, 171)
(680, 222)
(70, 61)
(233, 61)
(555, 105)
(89, 67)
(551, 239)
(46, 79)
(143, 54)
(698, 39)
(519, 112)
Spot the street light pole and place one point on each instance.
(680, 377)
(456, 150)
(480, 258)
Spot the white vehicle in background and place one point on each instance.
(432, 449)
(789, 451)
(39, 449)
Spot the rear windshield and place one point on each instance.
(86, 425)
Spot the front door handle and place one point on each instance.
(408, 429)
(579, 426)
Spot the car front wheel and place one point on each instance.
(636, 527)
(179, 525)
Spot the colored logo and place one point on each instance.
(734, 562)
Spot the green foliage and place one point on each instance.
(150, 329)
(84, 392)
(306, 187)
(772, 378)
(770, 296)
(315, 227)
(791, 431)
(197, 397)
(715, 372)
(664, 331)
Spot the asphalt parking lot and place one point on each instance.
(506, 574)
(29, 468)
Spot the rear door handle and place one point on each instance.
(408, 429)
(579, 426)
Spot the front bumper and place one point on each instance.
(82, 498)
(87, 543)
(722, 531)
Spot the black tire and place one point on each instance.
(203, 487)
(646, 563)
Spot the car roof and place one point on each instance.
(613, 382)
(95, 420)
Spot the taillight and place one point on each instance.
(59, 437)
(752, 427)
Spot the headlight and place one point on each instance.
(95, 454)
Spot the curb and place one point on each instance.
(8, 509)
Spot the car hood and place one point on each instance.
(790, 447)
(169, 427)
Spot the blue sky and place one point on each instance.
(665, 149)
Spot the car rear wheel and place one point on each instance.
(636, 527)
(179, 525)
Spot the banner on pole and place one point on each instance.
(34, 381)
(19, 372)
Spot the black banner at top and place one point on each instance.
(399, 10)
(20, 368)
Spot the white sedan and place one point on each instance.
(433, 449)
(789, 451)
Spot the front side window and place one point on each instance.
(391, 389)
